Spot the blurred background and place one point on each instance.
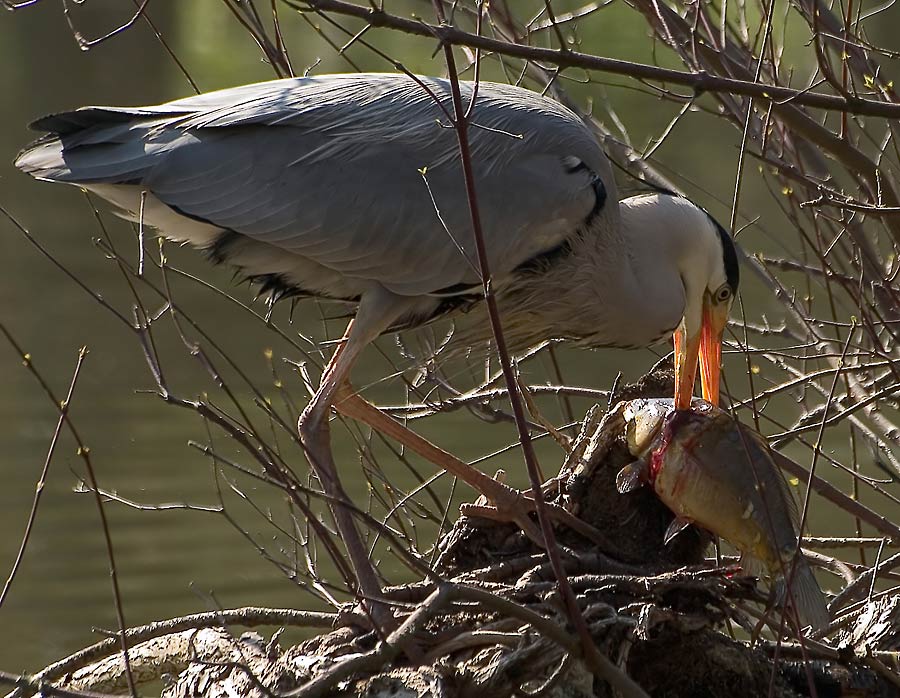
(177, 561)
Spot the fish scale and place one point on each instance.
(717, 473)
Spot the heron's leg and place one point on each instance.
(314, 435)
(508, 503)
(375, 314)
(351, 404)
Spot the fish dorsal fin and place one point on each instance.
(677, 526)
(777, 474)
(632, 476)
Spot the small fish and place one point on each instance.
(717, 473)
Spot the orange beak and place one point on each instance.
(705, 345)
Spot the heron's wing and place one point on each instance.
(360, 174)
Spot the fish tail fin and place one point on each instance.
(806, 596)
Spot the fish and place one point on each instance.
(714, 472)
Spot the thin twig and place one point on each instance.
(698, 81)
(63, 409)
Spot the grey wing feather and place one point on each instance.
(334, 169)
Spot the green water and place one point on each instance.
(178, 561)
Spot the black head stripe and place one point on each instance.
(730, 258)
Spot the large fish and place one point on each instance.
(714, 472)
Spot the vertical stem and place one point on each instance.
(598, 662)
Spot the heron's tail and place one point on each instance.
(93, 144)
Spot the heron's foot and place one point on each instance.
(506, 505)
(509, 505)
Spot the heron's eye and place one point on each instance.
(723, 294)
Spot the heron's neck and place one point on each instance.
(656, 249)
(618, 287)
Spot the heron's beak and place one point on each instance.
(715, 317)
(705, 345)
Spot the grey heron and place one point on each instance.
(349, 187)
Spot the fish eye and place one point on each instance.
(723, 294)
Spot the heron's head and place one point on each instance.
(708, 266)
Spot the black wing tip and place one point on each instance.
(57, 124)
(43, 124)
(66, 123)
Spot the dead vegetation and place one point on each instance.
(485, 616)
